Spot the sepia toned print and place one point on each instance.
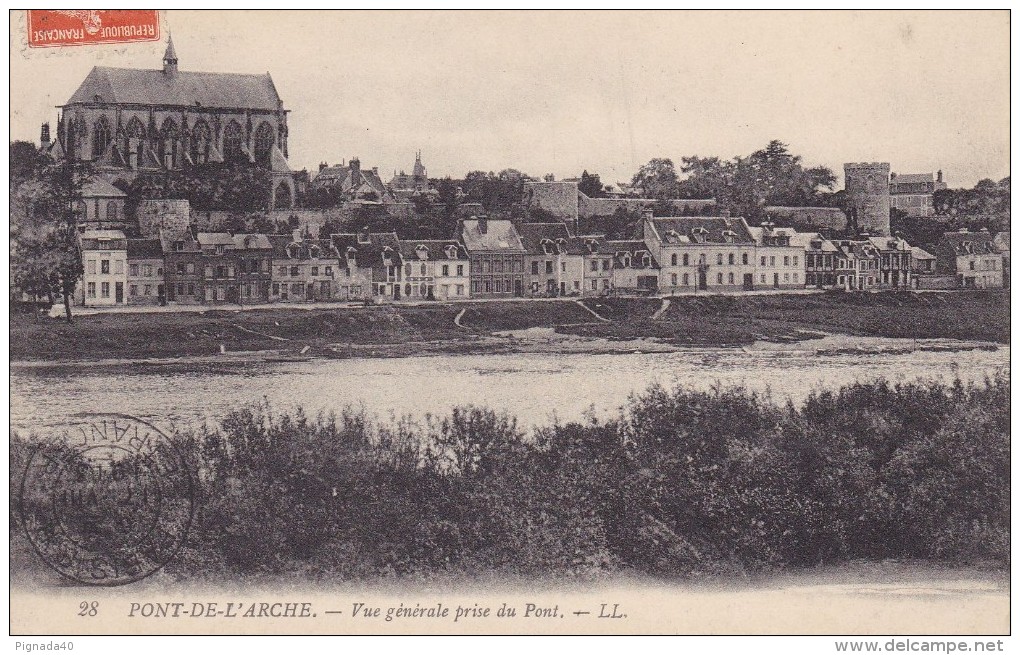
(399, 334)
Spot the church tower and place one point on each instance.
(419, 168)
(170, 58)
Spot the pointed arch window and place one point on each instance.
(201, 140)
(264, 141)
(76, 135)
(233, 140)
(169, 144)
(135, 146)
(100, 137)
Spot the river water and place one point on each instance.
(534, 387)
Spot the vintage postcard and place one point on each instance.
(535, 322)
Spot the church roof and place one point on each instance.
(182, 89)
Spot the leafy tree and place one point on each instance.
(986, 198)
(657, 179)
(500, 194)
(261, 224)
(623, 224)
(46, 255)
(26, 162)
(745, 185)
(421, 203)
(328, 227)
(238, 186)
(450, 195)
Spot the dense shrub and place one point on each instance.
(682, 482)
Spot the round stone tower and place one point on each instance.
(867, 193)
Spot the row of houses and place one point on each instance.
(502, 259)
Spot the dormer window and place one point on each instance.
(626, 260)
(363, 238)
(646, 259)
(593, 246)
(547, 246)
(179, 246)
(673, 235)
(422, 251)
(451, 252)
(561, 246)
(698, 234)
(292, 251)
(220, 249)
(729, 235)
(313, 252)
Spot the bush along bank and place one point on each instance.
(683, 482)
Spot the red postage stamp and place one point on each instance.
(48, 28)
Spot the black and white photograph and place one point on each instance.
(408, 322)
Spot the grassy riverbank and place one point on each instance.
(739, 320)
(682, 482)
(407, 330)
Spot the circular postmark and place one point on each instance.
(108, 502)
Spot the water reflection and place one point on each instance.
(535, 387)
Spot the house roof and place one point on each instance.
(499, 235)
(912, 178)
(633, 248)
(182, 89)
(144, 248)
(969, 243)
(103, 235)
(284, 246)
(712, 228)
(215, 239)
(758, 233)
(860, 249)
(579, 245)
(437, 249)
(368, 254)
(806, 240)
(920, 253)
(99, 188)
(533, 235)
(342, 176)
(251, 242)
(889, 243)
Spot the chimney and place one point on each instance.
(647, 214)
(295, 235)
(483, 224)
(44, 137)
(892, 176)
(356, 172)
(375, 170)
(363, 235)
(323, 165)
(938, 176)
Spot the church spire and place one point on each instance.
(419, 169)
(170, 58)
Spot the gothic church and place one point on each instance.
(127, 121)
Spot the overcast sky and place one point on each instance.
(561, 92)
